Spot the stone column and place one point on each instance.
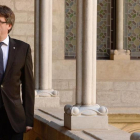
(87, 51)
(45, 57)
(94, 53)
(81, 41)
(86, 114)
(79, 44)
(120, 53)
(36, 42)
(45, 82)
(119, 24)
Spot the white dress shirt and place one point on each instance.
(5, 50)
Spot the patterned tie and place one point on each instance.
(1, 63)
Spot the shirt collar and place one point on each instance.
(6, 41)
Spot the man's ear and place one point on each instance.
(9, 26)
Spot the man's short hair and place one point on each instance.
(8, 14)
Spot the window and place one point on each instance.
(70, 29)
(132, 27)
(105, 28)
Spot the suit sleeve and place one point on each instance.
(28, 94)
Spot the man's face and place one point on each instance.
(4, 27)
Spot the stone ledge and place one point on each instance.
(47, 127)
(115, 115)
(111, 134)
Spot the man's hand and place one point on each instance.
(28, 128)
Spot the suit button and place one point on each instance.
(1, 86)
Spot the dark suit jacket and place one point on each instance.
(19, 70)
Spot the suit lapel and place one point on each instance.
(11, 56)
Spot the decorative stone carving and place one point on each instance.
(120, 52)
(103, 110)
(71, 110)
(47, 93)
(86, 110)
(54, 93)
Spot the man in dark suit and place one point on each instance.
(16, 113)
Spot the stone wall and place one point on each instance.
(118, 82)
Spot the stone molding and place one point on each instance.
(86, 110)
(47, 93)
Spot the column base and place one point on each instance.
(85, 117)
(47, 93)
(46, 98)
(120, 55)
(85, 122)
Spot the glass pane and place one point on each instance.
(70, 28)
(103, 28)
(132, 27)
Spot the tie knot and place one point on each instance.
(1, 43)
